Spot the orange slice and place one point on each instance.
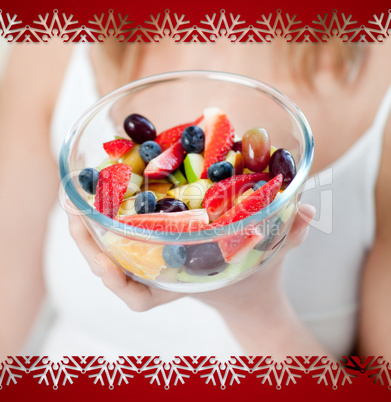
(142, 259)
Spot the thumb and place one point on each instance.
(300, 226)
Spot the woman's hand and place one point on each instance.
(264, 283)
(137, 296)
(140, 297)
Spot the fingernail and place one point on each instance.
(311, 209)
(308, 212)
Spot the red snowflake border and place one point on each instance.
(208, 369)
(179, 28)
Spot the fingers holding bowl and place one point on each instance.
(83, 239)
(136, 295)
(300, 226)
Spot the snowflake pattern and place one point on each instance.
(10, 27)
(222, 26)
(111, 373)
(56, 26)
(178, 370)
(278, 25)
(329, 372)
(9, 370)
(159, 27)
(342, 27)
(375, 367)
(279, 373)
(167, 372)
(230, 371)
(215, 27)
(52, 372)
(113, 26)
(379, 28)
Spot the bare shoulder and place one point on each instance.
(378, 81)
(380, 61)
(29, 90)
(34, 73)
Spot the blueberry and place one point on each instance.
(259, 185)
(145, 203)
(149, 150)
(220, 170)
(88, 179)
(193, 139)
(174, 255)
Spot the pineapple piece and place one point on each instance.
(192, 194)
(236, 160)
(133, 159)
(161, 188)
(272, 150)
(134, 185)
(248, 171)
(127, 207)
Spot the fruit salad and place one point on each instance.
(195, 176)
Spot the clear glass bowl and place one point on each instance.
(168, 100)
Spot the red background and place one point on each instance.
(138, 11)
(195, 389)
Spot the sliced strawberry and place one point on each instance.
(251, 204)
(117, 148)
(172, 135)
(222, 195)
(185, 221)
(235, 248)
(219, 137)
(112, 184)
(166, 162)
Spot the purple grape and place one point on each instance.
(282, 162)
(139, 128)
(237, 147)
(204, 260)
(170, 205)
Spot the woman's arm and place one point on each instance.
(28, 182)
(375, 318)
(258, 311)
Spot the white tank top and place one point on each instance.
(321, 276)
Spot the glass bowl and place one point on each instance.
(167, 100)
